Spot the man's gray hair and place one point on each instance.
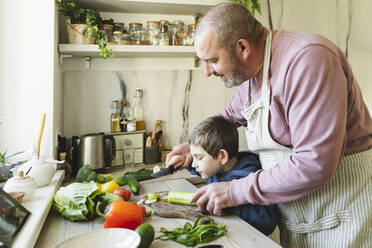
(232, 21)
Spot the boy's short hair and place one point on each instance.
(214, 134)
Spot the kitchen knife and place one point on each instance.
(163, 172)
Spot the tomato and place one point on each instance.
(143, 209)
(124, 193)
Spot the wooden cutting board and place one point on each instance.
(165, 209)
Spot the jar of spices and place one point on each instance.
(108, 33)
(164, 35)
(176, 32)
(117, 37)
(153, 27)
(119, 26)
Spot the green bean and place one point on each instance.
(192, 234)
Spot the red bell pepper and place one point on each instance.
(123, 214)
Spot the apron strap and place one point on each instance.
(265, 89)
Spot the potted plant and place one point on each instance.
(4, 170)
(83, 26)
(251, 5)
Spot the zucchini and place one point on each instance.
(140, 175)
(180, 197)
(134, 185)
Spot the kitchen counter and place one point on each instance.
(39, 207)
(240, 234)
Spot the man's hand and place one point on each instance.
(179, 157)
(213, 198)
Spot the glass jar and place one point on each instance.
(137, 34)
(108, 35)
(176, 32)
(153, 27)
(124, 39)
(191, 34)
(117, 37)
(119, 26)
(164, 35)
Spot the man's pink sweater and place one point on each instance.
(317, 110)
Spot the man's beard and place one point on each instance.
(237, 76)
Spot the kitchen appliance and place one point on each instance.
(94, 151)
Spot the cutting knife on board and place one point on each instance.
(164, 172)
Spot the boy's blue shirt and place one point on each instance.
(263, 218)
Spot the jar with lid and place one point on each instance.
(117, 37)
(137, 34)
(176, 32)
(119, 26)
(153, 27)
(108, 33)
(164, 35)
(124, 39)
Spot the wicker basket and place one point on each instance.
(76, 35)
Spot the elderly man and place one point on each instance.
(305, 118)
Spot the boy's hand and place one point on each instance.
(213, 198)
(179, 157)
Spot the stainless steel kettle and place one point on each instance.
(94, 151)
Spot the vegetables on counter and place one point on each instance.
(140, 175)
(134, 185)
(123, 193)
(109, 187)
(78, 201)
(124, 214)
(180, 197)
(147, 234)
(191, 235)
(87, 174)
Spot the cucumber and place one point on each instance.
(134, 185)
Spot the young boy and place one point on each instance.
(214, 147)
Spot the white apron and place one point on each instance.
(339, 214)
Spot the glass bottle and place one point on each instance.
(138, 110)
(115, 117)
(163, 35)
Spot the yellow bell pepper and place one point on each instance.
(99, 186)
(109, 187)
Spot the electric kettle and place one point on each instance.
(94, 151)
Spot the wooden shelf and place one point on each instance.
(128, 51)
(175, 7)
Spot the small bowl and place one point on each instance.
(18, 196)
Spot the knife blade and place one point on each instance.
(163, 172)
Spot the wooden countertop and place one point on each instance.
(240, 233)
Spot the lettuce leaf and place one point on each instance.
(72, 201)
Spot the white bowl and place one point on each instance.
(41, 171)
(107, 237)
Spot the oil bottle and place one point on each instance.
(115, 117)
(138, 110)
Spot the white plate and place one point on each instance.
(107, 237)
